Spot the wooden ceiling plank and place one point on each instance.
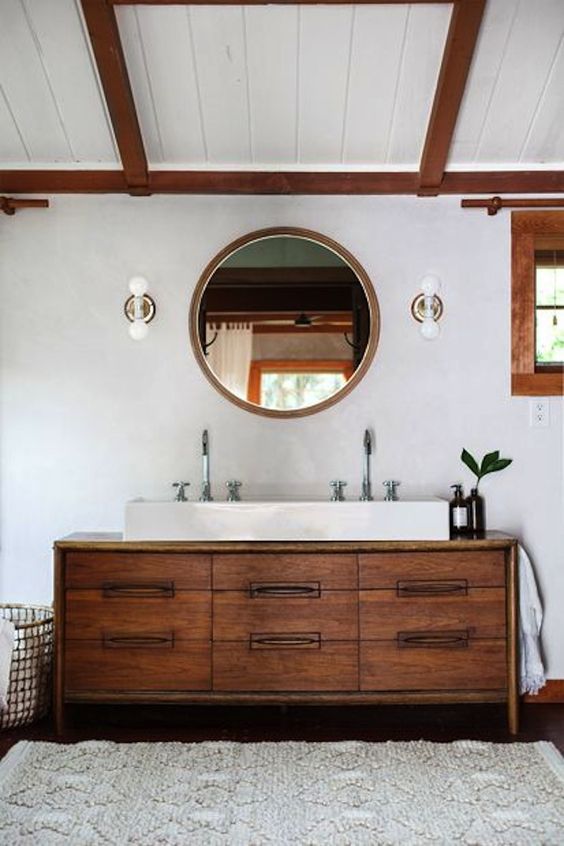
(108, 53)
(457, 58)
(289, 182)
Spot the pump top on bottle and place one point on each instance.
(459, 522)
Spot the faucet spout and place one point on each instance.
(206, 486)
(366, 488)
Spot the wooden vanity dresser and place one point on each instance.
(284, 622)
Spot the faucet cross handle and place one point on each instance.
(233, 494)
(391, 486)
(181, 492)
(337, 493)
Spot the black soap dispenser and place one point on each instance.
(476, 512)
(459, 513)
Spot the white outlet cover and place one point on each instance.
(539, 413)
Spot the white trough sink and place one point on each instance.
(413, 519)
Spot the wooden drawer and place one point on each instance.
(168, 666)
(333, 614)
(90, 615)
(385, 665)
(482, 568)
(384, 613)
(329, 572)
(160, 570)
(315, 667)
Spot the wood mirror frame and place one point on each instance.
(364, 281)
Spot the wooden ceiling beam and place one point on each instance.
(281, 182)
(455, 66)
(103, 30)
(288, 182)
(503, 182)
(63, 182)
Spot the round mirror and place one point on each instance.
(284, 322)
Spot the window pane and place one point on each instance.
(550, 338)
(550, 286)
(296, 390)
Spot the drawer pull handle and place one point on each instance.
(138, 590)
(311, 590)
(420, 640)
(128, 641)
(432, 588)
(291, 640)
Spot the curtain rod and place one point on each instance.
(495, 204)
(9, 205)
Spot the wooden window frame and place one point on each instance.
(528, 229)
(295, 365)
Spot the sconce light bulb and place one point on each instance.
(138, 330)
(430, 329)
(138, 285)
(430, 285)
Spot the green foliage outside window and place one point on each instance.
(296, 390)
(550, 314)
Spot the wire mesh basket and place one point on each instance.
(29, 688)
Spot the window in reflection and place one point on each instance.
(285, 385)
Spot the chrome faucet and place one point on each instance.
(233, 494)
(366, 489)
(206, 487)
(181, 493)
(391, 486)
(337, 493)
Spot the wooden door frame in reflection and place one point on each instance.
(309, 235)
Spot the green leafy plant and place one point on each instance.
(491, 463)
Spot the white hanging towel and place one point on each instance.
(532, 675)
(6, 648)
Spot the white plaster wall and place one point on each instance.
(90, 418)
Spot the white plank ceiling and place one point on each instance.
(51, 107)
(282, 87)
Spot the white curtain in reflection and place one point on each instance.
(229, 356)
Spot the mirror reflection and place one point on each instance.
(283, 323)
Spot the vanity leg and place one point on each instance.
(58, 679)
(512, 593)
(59, 718)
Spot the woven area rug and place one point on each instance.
(284, 794)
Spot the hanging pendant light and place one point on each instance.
(302, 320)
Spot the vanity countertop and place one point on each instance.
(114, 540)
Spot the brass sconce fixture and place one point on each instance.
(427, 308)
(139, 308)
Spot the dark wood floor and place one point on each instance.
(371, 723)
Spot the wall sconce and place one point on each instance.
(139, 308)
(427, 308)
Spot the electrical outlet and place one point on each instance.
(539, 413)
